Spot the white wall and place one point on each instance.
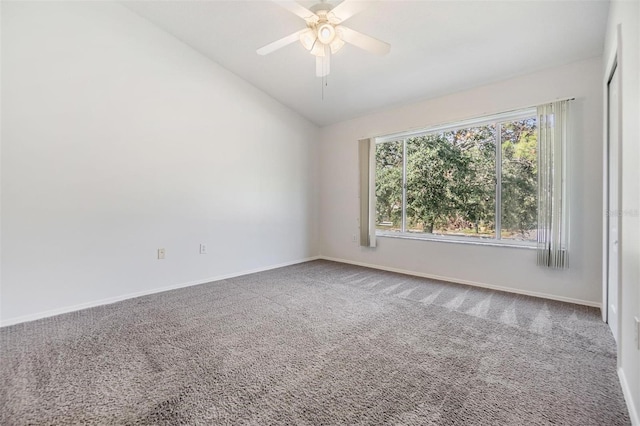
(117, 139)
(627, 15)
(509, 268)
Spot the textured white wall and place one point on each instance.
(627, 15)
(117, 139)
(493, 266)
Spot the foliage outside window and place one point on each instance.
(467, 181)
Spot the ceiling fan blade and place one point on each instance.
(323, 63)
(271, 47)
(346, 10)
(363, 41)
(297, 9)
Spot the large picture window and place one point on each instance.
(470, 181)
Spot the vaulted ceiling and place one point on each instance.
(437, 47)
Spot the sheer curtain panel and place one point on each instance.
(366, 157)
(553, 226)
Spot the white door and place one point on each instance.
(613, 279)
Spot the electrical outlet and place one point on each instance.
(203, 249)
(354, 238)
(160, 253)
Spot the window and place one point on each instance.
(470, 181)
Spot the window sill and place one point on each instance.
(456, 240)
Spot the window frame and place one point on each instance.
(494, 119)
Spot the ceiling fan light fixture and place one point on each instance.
(326, 33)
(318, 49)
(336, 44)
(308, 38)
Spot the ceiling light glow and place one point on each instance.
(326, 33)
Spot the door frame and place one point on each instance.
(613, 64)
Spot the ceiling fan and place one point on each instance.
(325, 34)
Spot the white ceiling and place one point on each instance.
(437, 47)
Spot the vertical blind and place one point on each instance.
(553, 225)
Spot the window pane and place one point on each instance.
(389, 186)
(519, 180)
(451, 183)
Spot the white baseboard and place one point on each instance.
(633, 414)
(53, 312)
(466, 282)
(109, 300)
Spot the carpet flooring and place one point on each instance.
(310, 344)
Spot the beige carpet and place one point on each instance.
(315, 343)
